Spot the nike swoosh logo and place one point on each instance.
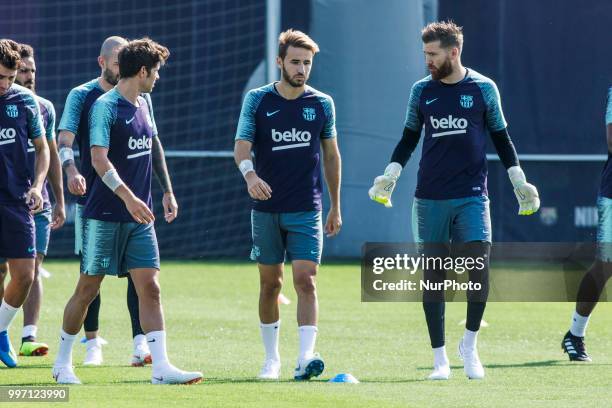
(152, 341)
(127, 122)
(272, 113)
(427, 102)
(158, 378)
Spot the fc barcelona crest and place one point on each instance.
(11, 111)
(466, 101)
(309, 114)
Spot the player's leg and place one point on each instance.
(431, 229)
(74, 314)
(269, 252)
(142, 263)
(100, 256)
(16, 244)
(591, 286)
(304, 248)
(141, 354)
(31, 307)
(3, 273)
(471, 229)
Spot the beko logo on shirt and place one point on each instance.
(458, 124)
(7, 135)
(300, 138)
(138, 144)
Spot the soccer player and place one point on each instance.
(595, 279)
(47, 219)
(118, 231)
(75, 124)
(20, 188)
(458, 106)
(287, 124)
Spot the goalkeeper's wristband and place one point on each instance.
(393, 170)
(517, 176)
(245, 166)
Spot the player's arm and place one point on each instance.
(332, 167)
(36, 133)
(526, 194)
(34, 195)
(76, 182)
(55, 173)
(100, 120)
(160, 169)
(245, 137)
(385, 184)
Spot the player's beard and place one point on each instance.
(440, 73)
(291, 81)
(110, 77)
(30, 85)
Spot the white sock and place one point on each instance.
(579, 324)
(29, 330)
(157, 343)
(469, 339)
(64, 351)
(440, 357)
(308, 337)
(140, 342)
(7, 314)
(95, 342)
(269, 336)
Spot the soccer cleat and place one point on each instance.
(141, 356)
(94, 353)
(33, 349)
(308, 368)
(172, 375)
(270, 370)
(7, 353)
(575, 348)
(65, 375)
(441, 372)
(472, 367)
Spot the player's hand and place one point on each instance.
(528, 199)
(526, 194)
(333, 223)
(76, 184)
(139, 210)
(382, 189)
(58, 217)
(170, 206)
(34, 200)
(258, 189)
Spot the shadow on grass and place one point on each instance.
(543, 363)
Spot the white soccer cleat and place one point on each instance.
(141, 356)
(65, 375)
(172, 375)
(270, 370)
(471, 362)
(93, 356)
(308, 368)
(441, 372)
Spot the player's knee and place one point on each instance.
(305, 283)
(151, 291)
(271, 287)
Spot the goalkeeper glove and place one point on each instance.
(526, 194)
(384, 185)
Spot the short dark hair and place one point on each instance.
(447, 32)
(295, 38)
(140, 53)
(9, 53)
(26, 51)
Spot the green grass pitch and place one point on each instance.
(212, 325)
